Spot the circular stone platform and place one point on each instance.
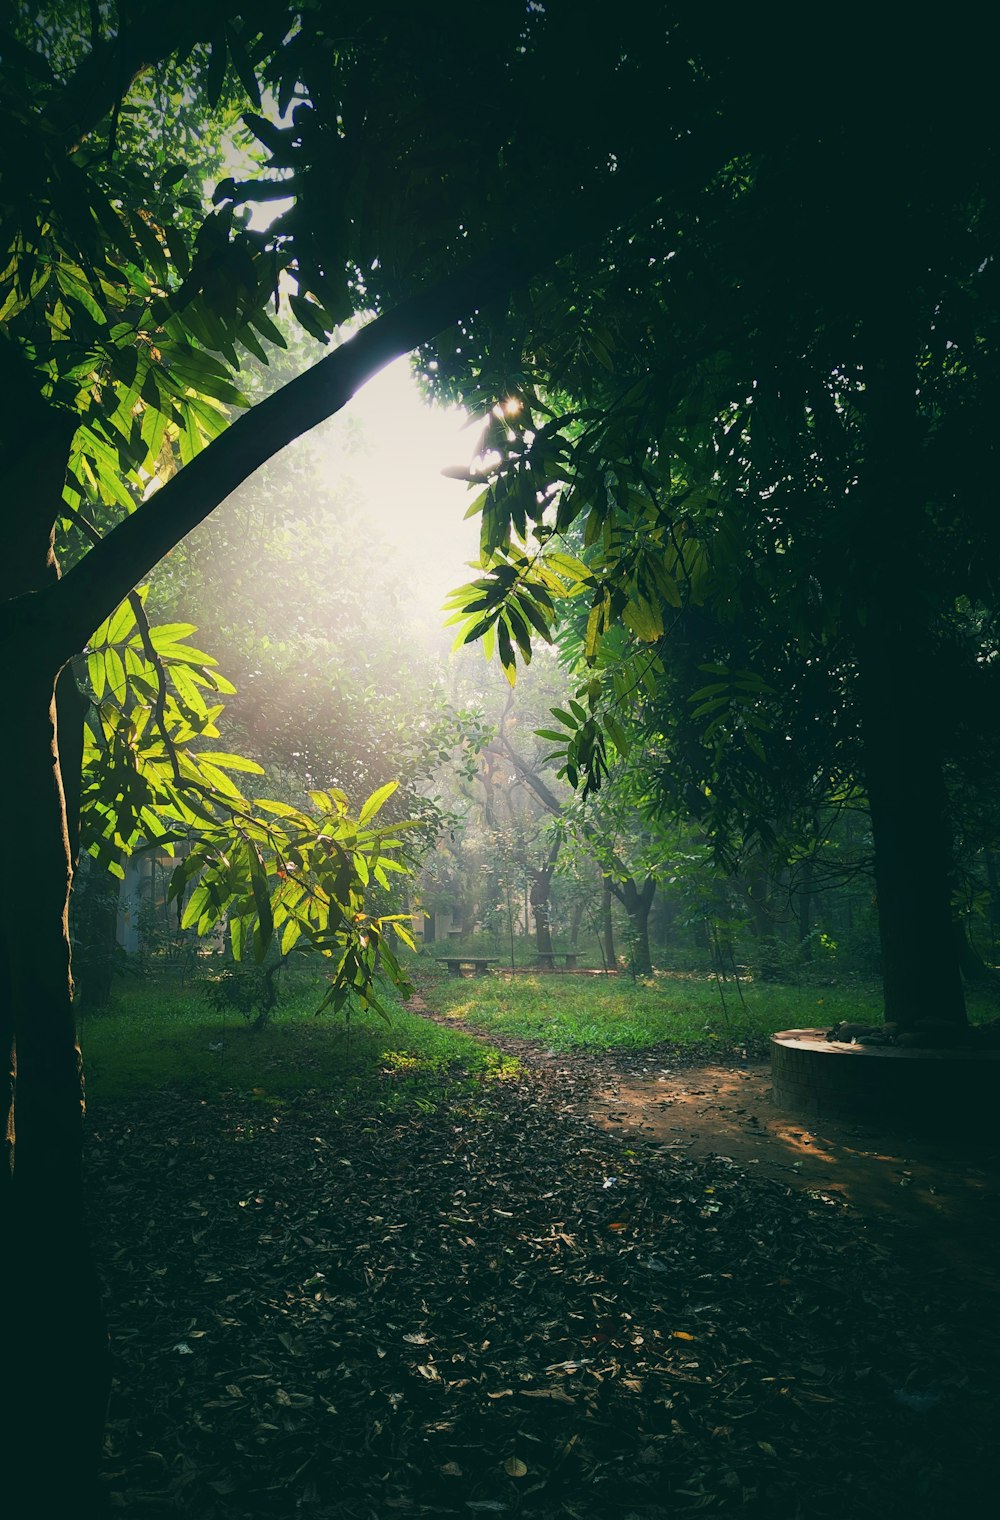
(921, 1090)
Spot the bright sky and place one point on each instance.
(393, 446)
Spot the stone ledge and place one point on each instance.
(920, 1090)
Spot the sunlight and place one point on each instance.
(392, 446)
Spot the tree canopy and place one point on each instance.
(732, 298)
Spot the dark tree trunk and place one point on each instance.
(637, 902)
(55, 1364)
(575, 923)
(607, 925)
(539, 897)
(539, 890)
(898, 681)
(53, 1395)
(920, 963)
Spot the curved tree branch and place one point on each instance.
(63, 615)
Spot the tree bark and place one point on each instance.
(920, 963)
(607, 925)
(575, 922)
(56, 1365)
(540, 887)
(897, 672)
(637, 902)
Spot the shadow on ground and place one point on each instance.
(947, 1190)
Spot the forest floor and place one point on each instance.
(945, 1192)
(595, 1284)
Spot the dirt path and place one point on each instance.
(945, 1195)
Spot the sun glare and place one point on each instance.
(392, 446)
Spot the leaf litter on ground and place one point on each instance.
(357, 1312)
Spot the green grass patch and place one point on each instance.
(157, 1036)
(681, 1008)
(565, 1012)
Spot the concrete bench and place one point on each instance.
(479, 963)
(548, 959)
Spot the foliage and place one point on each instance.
(265, 868)
(247, 990)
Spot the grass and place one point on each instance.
(569, 1012)
(680, 1008)
(157, 1036)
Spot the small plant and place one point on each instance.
(247, 990)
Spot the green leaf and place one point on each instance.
(231, 762)
(644, 619)
(310, 317)
(264, 928)
(507, 660)
(115, 671)
(121, 624)
(376, 801)
(96, 672)
(292, 933)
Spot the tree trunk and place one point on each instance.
(540, 887)
(54, 1390)
(637, 902)
(920, 964)
(607, 925)
(897, 674)
(539, 897)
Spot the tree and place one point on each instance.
(780, 459)
(125, 304)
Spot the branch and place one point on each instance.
(105, 76)
(105, 576)
(72, 608)
(547, 798)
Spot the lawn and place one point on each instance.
(686, 1008)
(159, 1036)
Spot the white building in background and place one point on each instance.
(130, 897)
(143, 896)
